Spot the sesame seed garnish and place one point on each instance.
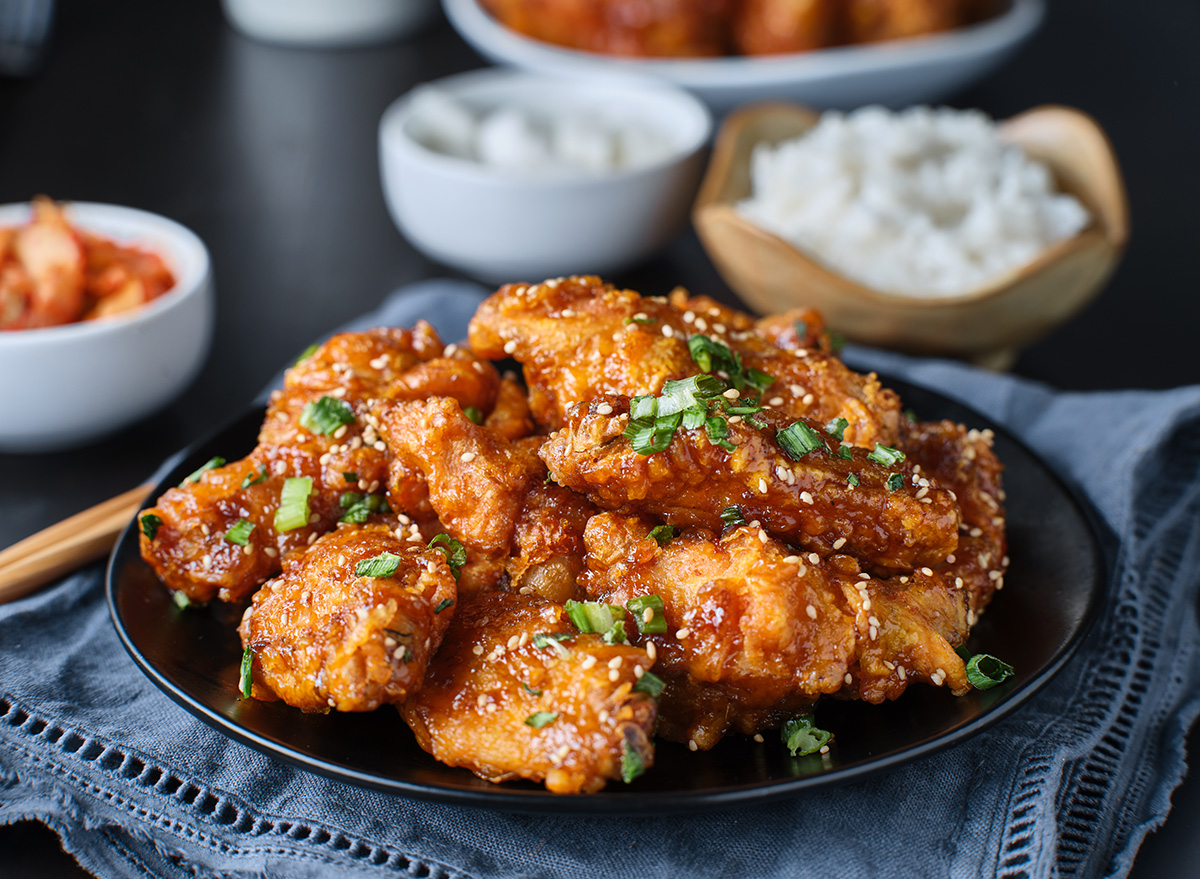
(758, 738)
(994, 575)
(801, 571)
(701, 324)
(811, 611)
(839, 543)
(280, 468)
(248, 549)
(477, 650)
(603, 715)
(762, 537)
(824, 749)
(614, 675)
(762, 485)
(514, 642)
(807, 399)
(312, 538)
(468, 457)
(510, 346)
(604, 409)
(900, 671)
(324, 459)
(806, 497)
(849, 679)
(588, 662)
(791, 559)
(314, 519)
(651, 650)
(647, 615)
(976, 532)
(689, 316)
(776, 401)
(666, 331)
(958, 582)
(796, 390)
(638, 671)
(735, 419)
(271, 551)
(450, 350)
(928, 572)
(692, 746)
(814, 559)
(683, 633)
(873, 621)
(380, 446)
(873, 632)
(718, 328)
(950, 559)
(340, 432)
(731, 394)
(615, 662)
(866, 603)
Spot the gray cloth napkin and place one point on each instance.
(1067, 785)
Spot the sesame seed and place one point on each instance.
(762, 485)
(614, 675)
(758, 738)
(666, 331)
(340, 432)
(866, 603)
(735, 419)
(588, 662)
(814, 559)
(811, 611)
(807, 399)
(781, 472)
(468, 457)
(824, 749)
(683, 633)
(950, 559)
(900, 671)
(701, 324)
(762, 537)
(692, 746)
(604, 409)
(718, 328)
(801, 571)
(976, 532)
(271, 551)
(477, 650)
(806, 497)
(776, 401)
(248, 549)
(928, 572)
(689, 316)
(873, 632)
(312, 538)
(994, 575)
(324, 459)
(314, 519)
(615, 662)
(839, 543)
(280, 468)
(849, 679)
(638, 671)
(796, 390)
(958, 582)
(514, 642)
(873, 621)
(647, 615)
(603, 715)
(791, 559)
(450, 350)
(482, 700)
(731, 394)
(510, 346)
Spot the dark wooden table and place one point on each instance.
(269, 155)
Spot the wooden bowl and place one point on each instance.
(988, 325)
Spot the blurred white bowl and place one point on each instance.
(327, 24)
(500, 225)
(63, 386)
(896, 73)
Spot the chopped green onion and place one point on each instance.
(657, 624)
(549, 478)
(350, 476)
(632, 764)
(150, 524)
(181, 600)
(885, 456)
(383, 565)
(443, 604)
(543, 639)
(711, 356)
(985, 671)
(684, 394)
(758, 379)
(240, 532)
(650, 684)
(407, 657)
(895, 482)
(845, 453)
(852, 480)
(252, 479)
(456, 554)
(305, 354)
(801, 329)
(732, 517)
(837, 428)
(473, 414)
(718, 430)
(798, 439)
(195, 475)
(541, 718)
(616, 635)
(359, 507)
(530, 690)
(662, 534)
(836, 342)
(293, 509)
(643, 407)
(640, 320)
(802, 738)
(326, 415)
(910, 414)
(653, 438)
(247, 664)
(593, 617)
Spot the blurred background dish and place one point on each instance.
(527, 215)
(987, 324)
(893, 73)
(327, 23)
(74, 383)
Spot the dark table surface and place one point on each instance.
(269, 154)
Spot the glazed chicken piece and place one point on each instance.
(962, 460)
(869, 21)
(579, 338)
(516, 692)
(325, 636)
(771, 27)
(821, 502)
(42, 282)
(755, 634)
(352, 377)
(490, 494)
(651, 28)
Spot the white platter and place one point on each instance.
(895, 74)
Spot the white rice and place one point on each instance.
(925, 202)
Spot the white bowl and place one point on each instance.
(896, 73)
(327, 24)
(62, 386)
(505, 226)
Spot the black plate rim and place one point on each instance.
(608, 802)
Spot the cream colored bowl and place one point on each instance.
(987, 325)
(64, 386)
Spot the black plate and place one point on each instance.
(1055, 586)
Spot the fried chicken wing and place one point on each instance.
(325, 636)
(962, 460)
(755, 634)
(772, 27)
(490, 494)
(353, 376)
(870, 21)
(516, 692)
(813, 502)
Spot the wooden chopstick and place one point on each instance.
(50, 553)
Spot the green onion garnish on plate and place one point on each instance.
(293, 509)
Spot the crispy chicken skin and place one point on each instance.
(809, 502)
(756, 634)
(490, 678)
(491, 494)
(579, 338)
(771, 27)
(962, 460)
(325, 637)
(364, 370)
